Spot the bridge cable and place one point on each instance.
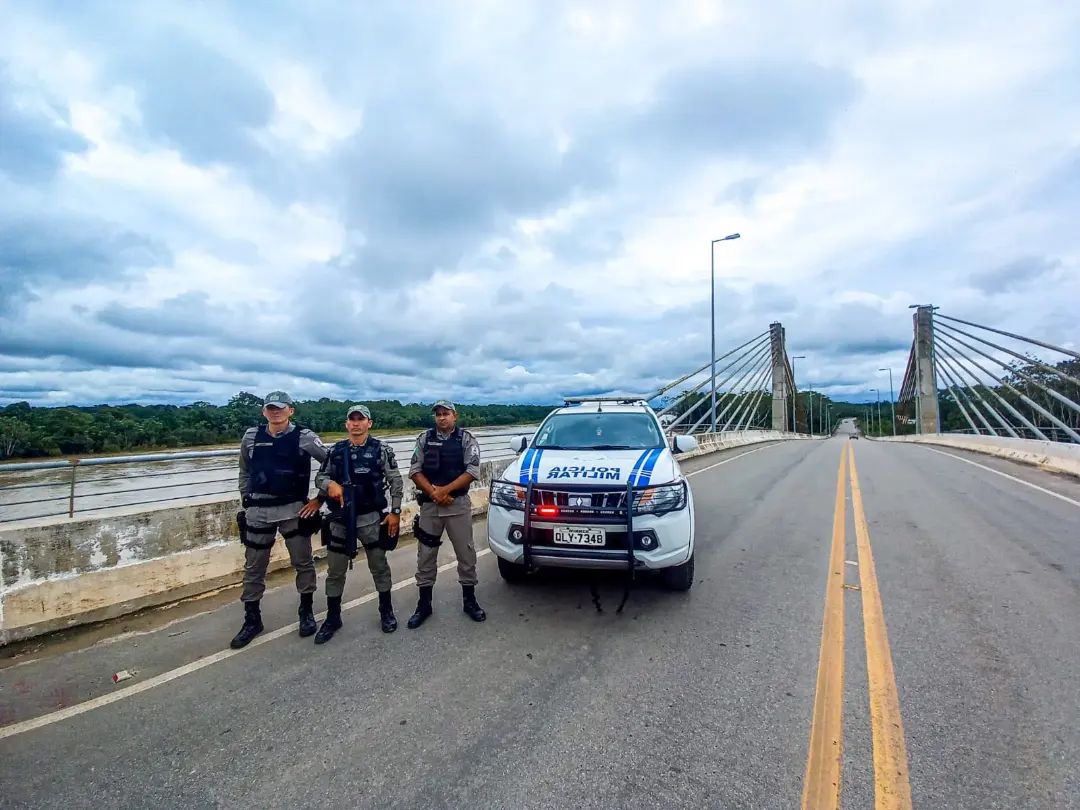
(762, 364)
(758, 381)
(957, 394)
(737, 361)
(749, 360)
(665, 388)
(1030, 380)
(943, 340)
(1050, 346)
(1032, 403)
(973, 388)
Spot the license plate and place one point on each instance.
(579, 536)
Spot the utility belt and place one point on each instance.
(423, 497)
(348, 545)
(262, 537)
(272, 500)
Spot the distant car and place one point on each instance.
(854, 435)
(585, 462)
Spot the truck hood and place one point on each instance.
(610, 467)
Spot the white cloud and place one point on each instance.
(517, 201)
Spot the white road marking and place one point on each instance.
(187, 669)
(733, 458)
(1049, 492)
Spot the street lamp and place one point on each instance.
(892, 402)
(794, 427)
(877, 400)
(712, 311)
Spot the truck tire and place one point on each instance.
(680, 577)
(511, 572)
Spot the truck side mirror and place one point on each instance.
(683, 443)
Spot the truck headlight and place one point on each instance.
(507, 495)
(660, 500)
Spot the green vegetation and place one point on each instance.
(28, 432)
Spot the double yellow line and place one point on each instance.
(821, 785)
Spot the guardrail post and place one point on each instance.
(71, 492)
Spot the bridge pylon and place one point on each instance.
(781, 375)
(928, 418)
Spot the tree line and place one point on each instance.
(30, 432)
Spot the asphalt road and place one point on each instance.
(704, 699)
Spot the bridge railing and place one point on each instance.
(41, 489)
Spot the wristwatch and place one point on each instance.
(396, 511)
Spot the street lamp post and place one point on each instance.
(712, 312)
(877, 400)
(892, 401)
(794, 425)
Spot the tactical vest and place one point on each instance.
(444, 461)
(366, 472)
(278, 468)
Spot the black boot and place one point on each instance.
(386, 613)
(252, 626)
(423, 608)
(332, 623)
(469, 605)
(307, 615)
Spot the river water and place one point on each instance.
(43, 493)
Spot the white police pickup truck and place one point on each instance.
(563, 502)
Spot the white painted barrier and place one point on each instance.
(1051, 456)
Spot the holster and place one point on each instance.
(309, 525)
(386, 542)
(425, 538)
(241, 524)
(346, 545)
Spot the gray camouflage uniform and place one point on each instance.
(455, 519)
(269, 520)
(367, 529)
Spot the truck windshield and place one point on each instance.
(599, 431)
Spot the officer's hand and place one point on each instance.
(334, 490)
(310, 508)
(441, 496)
(392, 523)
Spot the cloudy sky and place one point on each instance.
(513, 201)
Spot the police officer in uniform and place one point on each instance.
(446, 461)
(275, 475)
(373, 469)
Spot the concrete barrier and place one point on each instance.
(712, 442)
(61, 572)
(1051, 456)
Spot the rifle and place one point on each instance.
(349, 507)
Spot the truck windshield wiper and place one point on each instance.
(613, 447)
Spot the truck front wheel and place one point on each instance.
(511, 572)
(679, 577)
